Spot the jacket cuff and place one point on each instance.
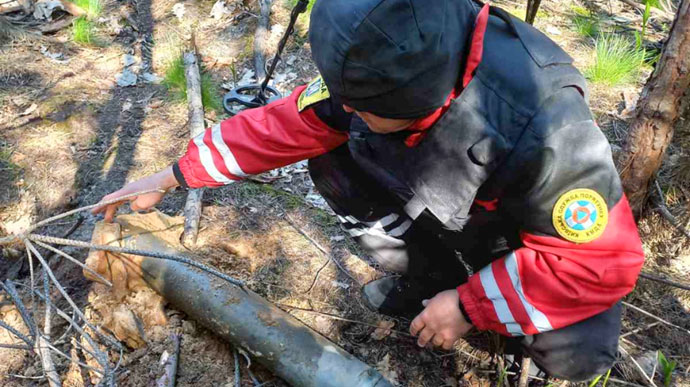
(179, 176)
(470, 307)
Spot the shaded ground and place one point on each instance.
(87, 136)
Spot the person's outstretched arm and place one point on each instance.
(286, 131)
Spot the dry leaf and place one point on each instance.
(383, 330)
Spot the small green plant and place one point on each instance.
(82, 30)
(176, 81)
(667, 368)
(503, 377)
(93, 8)
(586, 26)
(598, 378)
(586, 22)
(617, 60)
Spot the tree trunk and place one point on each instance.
(657, 112)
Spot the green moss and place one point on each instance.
(617, 60)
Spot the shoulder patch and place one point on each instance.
(580, 215)
(315, 92)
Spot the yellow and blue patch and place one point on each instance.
(315, 92)
(580, 215)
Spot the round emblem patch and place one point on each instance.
(580, 215)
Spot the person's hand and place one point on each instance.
(163, 180)
(441, 322)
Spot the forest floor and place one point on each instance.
(69, 134)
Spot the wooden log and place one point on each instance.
(261, 38)
(657, 113)
(192, 208)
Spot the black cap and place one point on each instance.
(392, 58)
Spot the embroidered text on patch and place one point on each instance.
(316, 91)
(580, 215)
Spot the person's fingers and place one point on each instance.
(417, 325)
(134, 205)
(437, 340)
(424, 337)
(110, 212)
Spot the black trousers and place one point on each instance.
(374, 216)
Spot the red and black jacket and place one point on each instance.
(512, 168)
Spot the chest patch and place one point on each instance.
(580, 215)
(315, 92)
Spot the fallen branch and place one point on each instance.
(192, 207)
(524, 371)
(318, 246)
(260, 39)
(42, 343)
(664, 281)
(638, 330)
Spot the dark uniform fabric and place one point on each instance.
(575, 353)
(512, 137)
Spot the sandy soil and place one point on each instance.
(87, 136)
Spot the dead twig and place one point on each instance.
(638, 330)
(655, 317)
(192, 207)
(524, 371)
(42, 343)
(318, 246)
(664, 281)
(666, 214)
(639, 367)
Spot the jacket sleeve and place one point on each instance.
(255, 141)
(554, 279)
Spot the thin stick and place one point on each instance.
(16, 333)
(75, 261)
(238, 375)
(655, 317)
(318, 273)
(639, 367)
(664, 281)
(524, 371)
(8, 287)
(663, 210)
(42, 342)
(192, 207)
(638, 330)
(99, 204)
(318, 246)
(15, 346)
(122, 250)
(68, 298)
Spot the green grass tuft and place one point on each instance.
(93, 8)
(586, 26)
(176, 81)
(617, 60)
(83, 30)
